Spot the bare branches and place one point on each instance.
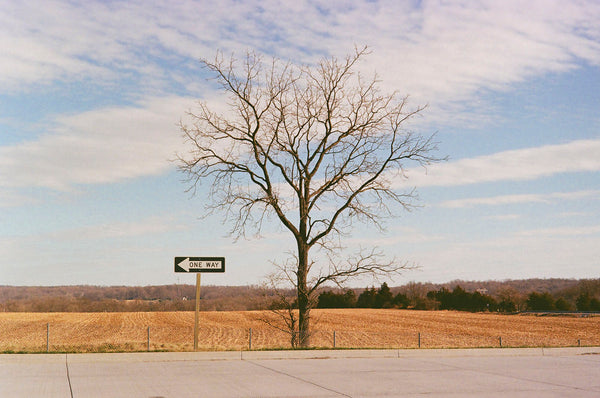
(365, 262)
(285, 317)
(318, 147)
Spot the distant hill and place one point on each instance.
(85, 298)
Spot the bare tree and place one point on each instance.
(282, 306)
(317, 147)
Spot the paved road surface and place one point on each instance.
(381, 373)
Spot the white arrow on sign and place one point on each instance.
(185, 264)
(200, 264)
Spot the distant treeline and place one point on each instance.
(509, 296)
(584, 296)
(85, 298)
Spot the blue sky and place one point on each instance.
(91, 94)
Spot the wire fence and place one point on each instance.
(35, 337)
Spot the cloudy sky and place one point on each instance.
(91, 93)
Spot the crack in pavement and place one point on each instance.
(68, 375)
(519, 378)
(298, 378)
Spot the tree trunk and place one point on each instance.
(304, 303)
(303, 297)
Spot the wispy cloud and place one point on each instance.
(515, 165)
(570, 214)
(395, 237)
(101, 146)
(454, 51)
(435, 50)
(13, 198)
(439, 52)
(119, 230)
(562, 231)
(519, 199)
(544, 253)
(503, 217)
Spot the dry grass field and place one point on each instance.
(354, 328)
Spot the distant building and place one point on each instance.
(483, 291)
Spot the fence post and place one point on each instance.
(578, 342)
(334, 339)
(419, 339)
(148, 338)
(250, 339)
(48, 337)
(500, 341)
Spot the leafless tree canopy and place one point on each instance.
(318, 147)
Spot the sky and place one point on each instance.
(91, 94)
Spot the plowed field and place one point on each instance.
(354, 328)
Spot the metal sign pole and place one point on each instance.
(197, 316)
(198, 265)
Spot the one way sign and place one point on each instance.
(199, 264)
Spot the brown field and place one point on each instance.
(354, 328)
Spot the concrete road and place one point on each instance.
(363, 373)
